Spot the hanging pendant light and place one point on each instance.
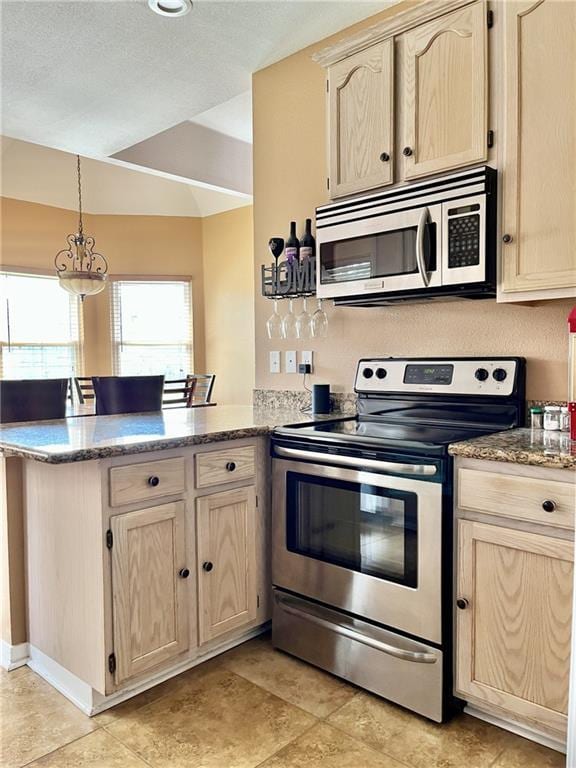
(80, 270)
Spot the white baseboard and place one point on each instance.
(13, 656)
(92, 702)
(518, 728)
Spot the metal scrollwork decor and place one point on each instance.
(81, 270)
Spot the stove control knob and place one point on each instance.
(481, 374)
(367, 373)
(499, 374)
(381, 373)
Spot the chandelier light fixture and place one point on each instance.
(81, 271)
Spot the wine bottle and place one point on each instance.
(307, 243)
(292, 247)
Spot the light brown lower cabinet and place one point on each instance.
(149, 588)
(514, 622)
(226, 536)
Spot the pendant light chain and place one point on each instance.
(80, 228)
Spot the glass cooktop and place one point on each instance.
(376, 433)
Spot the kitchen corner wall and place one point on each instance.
(290, 151)
(216, 252)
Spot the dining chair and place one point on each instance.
(32, 399)
(202, 388)
(127, 394)
(178, 392)
(84, 388)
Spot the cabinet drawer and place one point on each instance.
(227, 466)
(522, 498)
(150, 480)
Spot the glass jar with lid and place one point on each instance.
(552, 417)
(536, 417)
(564, 419)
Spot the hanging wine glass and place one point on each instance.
(304, 322)
(274, 323)
(320, 322)
(289, 330)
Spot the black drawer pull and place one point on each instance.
(384, 157)
(207, 566)
(462, 603)
(549, 505)
(407, 151)
(231, 466)
(153, 481)
(183, 573)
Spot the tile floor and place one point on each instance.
(249, 707)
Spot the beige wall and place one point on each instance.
(133, 245)
(290, 181)
(229, 303)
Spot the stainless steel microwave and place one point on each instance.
(434, 239)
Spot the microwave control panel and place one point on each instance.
(463, 240)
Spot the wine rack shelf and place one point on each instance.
(285, 280)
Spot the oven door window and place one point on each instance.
(388, 254)
(362, 527)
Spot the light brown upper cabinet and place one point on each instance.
(539, 183)
(361, 90)
(514, 621)
(445, 92)
(226, 533)
(149, 586)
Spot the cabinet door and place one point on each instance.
(446, 92)
(149, 595)
(539, 210)
(226, 534)
(361, 130)
(513, 638)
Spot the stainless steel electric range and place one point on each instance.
(362, 523)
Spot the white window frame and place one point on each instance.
(77, 346)
(116, 341)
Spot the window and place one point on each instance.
(152, 327)
(40, 328)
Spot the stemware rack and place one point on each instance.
(284, 280)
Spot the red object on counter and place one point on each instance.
(572, 373)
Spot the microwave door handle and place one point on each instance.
(420, 259)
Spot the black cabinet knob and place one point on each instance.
(481, 374)
(506, 238)
(462, 603)
(207, 566)
(231, 466)
(407, 151)
(183, 573)
(384, 157)
(548, 505)
(153, 481)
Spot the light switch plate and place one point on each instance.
(274, 362)
(308, 357)
(290, 361)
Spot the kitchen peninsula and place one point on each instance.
(146, 542)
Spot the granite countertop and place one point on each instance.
(96, 437)
(537, 447)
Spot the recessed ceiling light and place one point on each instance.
(171, 7)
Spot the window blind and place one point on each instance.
(40, 328)
(152, 327)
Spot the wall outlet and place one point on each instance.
(307, 357)
(274, 362)
(290, 361)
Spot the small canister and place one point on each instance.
(564, 419)
(536, 417)
(552, 417)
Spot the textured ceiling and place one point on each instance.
(96, 76)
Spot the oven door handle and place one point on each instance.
(355, 462)
(400, 653)
(420, 259)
